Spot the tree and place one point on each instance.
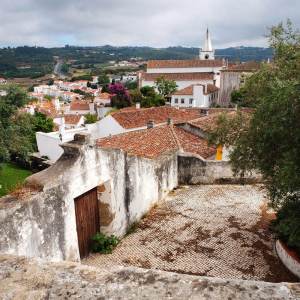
(121, 98)
(165, 87)
(17, 129)
(150, 97)
(90, 119)
(269, 141)
(103, 79)
(42, 123)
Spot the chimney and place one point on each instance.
(150, 124)
(138, 105)
(170, 121)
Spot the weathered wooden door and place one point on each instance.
(87, 220)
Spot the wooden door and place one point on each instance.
(87, 220)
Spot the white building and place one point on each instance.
(203, 70)
(198, 95)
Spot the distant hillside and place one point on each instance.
(37, 61)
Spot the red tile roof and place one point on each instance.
(154, 64)
(193, 144)
(151, 143)
(189, 90)
(72, 119)
(249, 66)
(178, 76)
(79, 105)
(135, 118)
(209, 123)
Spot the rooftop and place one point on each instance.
(178, 76)
(135, 118)
(79, 105)
(195, 63)
(72, 119)
(189, 90)
(152, 142)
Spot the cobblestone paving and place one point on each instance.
(208, 230)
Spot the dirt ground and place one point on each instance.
(209, 230)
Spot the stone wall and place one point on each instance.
(21, 278)
(193, 169)
(43, 223)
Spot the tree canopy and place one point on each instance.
(270, 141)
(165, 87)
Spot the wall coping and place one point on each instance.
(288, 257)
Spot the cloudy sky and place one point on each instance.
(155, 23)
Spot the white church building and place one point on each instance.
(201, 73)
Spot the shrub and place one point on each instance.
(90, 119)
(287, 224)
(104, 244)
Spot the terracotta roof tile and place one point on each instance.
(189, 90)
(72, 119)
(79, 105)
(178, 76)
(193, 144)
(135, 118)
(148, 143)
(151, 143)
(154, 64)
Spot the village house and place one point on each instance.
(81, 107)
(134, 118)
(233, 78)
(198, 95)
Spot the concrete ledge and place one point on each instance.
(288, 257)
(21, 278)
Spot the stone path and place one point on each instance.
(209, 230)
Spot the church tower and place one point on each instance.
(207, 52)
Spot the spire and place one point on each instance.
(207, 43)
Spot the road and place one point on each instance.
(57, 69)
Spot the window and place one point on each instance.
(191, 100)
(176, 100)
(182, 100)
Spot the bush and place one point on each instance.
(90, 119)
(104, 244)
(287, 224)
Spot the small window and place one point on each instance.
(191, 100)
(182, 100)
(176, 100)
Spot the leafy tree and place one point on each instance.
(131, 85)
(269, 141)
(103, 79)
(150, 97)
(90, 119)
(42, 123)
(122, 97)
(17, 129)
(165, 87)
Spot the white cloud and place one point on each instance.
(138, 22)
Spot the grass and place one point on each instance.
(11, 176)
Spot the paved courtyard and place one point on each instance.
(208, 230)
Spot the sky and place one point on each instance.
(156, 23)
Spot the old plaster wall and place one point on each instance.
(44, 224)
(193, 169)
(147, 181)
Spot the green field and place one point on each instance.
(11, 176)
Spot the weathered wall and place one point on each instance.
(44, 225)
(24, 279)
(192, 169)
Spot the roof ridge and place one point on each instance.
(177, 142)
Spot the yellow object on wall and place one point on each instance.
(219, 153)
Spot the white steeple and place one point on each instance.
(207, 52)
